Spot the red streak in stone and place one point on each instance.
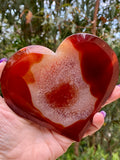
(14, 87)
(61, 96)
(96, 65)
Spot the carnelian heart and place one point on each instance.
(63, 90)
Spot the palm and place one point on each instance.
(21, 139)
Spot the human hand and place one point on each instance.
(21, 139)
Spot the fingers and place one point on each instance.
(114, 96)
(98, 121)
(2, 65)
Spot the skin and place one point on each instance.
(21, 139)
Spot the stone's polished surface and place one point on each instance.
(63, 90)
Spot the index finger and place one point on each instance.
(2, 64)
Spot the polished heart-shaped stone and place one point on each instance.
(63, 90)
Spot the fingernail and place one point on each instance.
(3, 60)
(118, 85)
(103, 113)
